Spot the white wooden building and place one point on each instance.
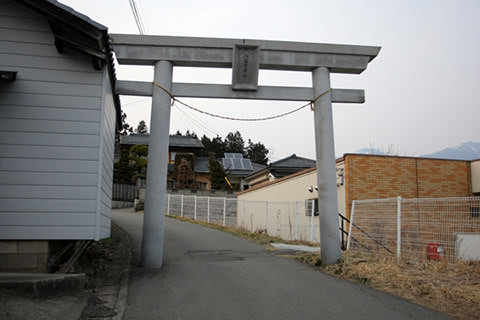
(58, 116)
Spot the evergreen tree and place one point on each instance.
(215, 146)
(138, 160)
(122, 171)
(125, 129)
(217, 173)
(257, 152)
(142, 128)
(234, 143)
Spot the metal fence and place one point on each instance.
(218, 210)
(287, 220)
(417, 230)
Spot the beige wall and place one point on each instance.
(341, 187)
(475, 176)
(285, 198)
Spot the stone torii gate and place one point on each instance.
(246, 57)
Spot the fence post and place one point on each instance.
(195, 208)
(244, 219)
(296, 220)
(399, 226)
(266, 217)
(168, 203)
(312, 221)
(352, 214)
(181, 207)
(208, 209)
(224, 210)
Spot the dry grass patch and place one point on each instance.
(453, 289)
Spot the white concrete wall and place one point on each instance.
(282, 196)
(50, 135)
(475, 169)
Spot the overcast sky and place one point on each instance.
(422, 91)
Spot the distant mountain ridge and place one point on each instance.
(465, 151)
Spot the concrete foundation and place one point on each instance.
(24, 255)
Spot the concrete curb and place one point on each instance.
(108, 298)
(295, 247)
(38, 285)
(121, 302)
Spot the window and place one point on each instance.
(308, 207)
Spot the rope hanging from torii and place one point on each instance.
(174, 99)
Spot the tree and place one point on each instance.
(125, 129)
(191, 134)
(257, 152)
(137, 156)
(217, 173)
(215, 146)
(122, 171)
(142, 127)
(234, 143)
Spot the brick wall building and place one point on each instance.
(377, 177)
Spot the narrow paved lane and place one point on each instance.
(208, 274)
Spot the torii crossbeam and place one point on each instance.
(245, 57)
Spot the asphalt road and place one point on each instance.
(208, 274)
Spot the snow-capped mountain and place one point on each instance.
(465, 151)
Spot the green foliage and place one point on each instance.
(142, 128)
(234, 143)
(126, 129)
(217, 174)
(122, 171)
(137, 156)
(257, 152)
(215, 146)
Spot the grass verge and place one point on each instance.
(453, 289)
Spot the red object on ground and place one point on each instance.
(434, 251)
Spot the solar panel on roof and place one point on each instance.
(247, 164)
(227, 163)
(233, 155)
(237, 164)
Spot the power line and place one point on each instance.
(197, 123)
(133, 102)
(137, 17)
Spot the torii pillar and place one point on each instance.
(157, 170)
(246, 57)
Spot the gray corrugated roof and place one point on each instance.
(175, 140)
(78, 14)
(293, 161)
(181, 141)
(245, 173)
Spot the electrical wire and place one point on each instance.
(137, 17)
